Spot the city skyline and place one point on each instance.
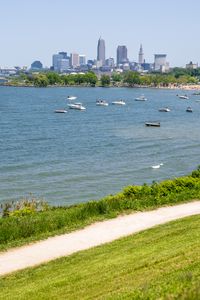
(35, 30)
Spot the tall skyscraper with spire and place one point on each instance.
(101, 51)
(141, 55)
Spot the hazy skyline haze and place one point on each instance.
(35, 30)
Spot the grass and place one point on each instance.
(160, 263)
(25, 226)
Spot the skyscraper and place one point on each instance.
(101, 56)
(122, 55)
(56, 60)
(141, 55)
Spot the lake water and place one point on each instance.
(83, 155)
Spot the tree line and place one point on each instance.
(177, 76)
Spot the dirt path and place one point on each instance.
(93, 235)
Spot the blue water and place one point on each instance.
(78, 156)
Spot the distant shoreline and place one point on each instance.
(171, 87)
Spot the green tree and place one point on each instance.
(116, 77)
(41, 80)
(91, 78)
(79, 78)
(105, 80)
(53, 78)
(132, 78)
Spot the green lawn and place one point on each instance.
(160, 263)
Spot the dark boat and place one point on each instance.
(153, 124)
(189, 109)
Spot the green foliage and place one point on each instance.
(116, 77)
(53, 78)
(105, 80)
(177, 76)
(32, 220)
(131, 78)
(23, 207)
(160, 263)
(41, 80)
(91, 78)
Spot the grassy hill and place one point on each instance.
(160, 263)
(25, 223)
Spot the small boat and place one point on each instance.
(118, 102)
(189, 109)
(60, 111)
(196, 94)
(77, 106)
(71, 98)
(153, 124)
(157, 166)
(141, 98)
(185, 97)
(101, 103)
(164, 109)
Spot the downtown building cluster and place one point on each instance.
(62, 62)
(74, 62)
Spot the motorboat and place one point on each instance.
(60, 111)
(189, 109)
(153, 124)
(196, 94)
(71, 98)
(157, 166)
(141, 98)
(164, 109)
(118, 102)
(101, 103)
(77, 106)
(184, 97)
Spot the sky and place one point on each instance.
(36, 29)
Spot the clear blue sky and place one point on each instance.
(35, 29)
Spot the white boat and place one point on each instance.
(185, 97)
(164, 109)
(152, 124)
(118, 102)
(157, 166)
(77, 106)
(141, 98)
(71, 98)
(101, 103)
(61, 111)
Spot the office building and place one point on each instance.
(63, 65)
(56, 62)
(122, 57)
(141, 55)
(110, 62)
(74, 60)
(64, 55)
(36, 65)
(191, 66)
(61, 62)
(82, 60)
(101, 51)
(160, 62)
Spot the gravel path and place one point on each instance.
(93, 235)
